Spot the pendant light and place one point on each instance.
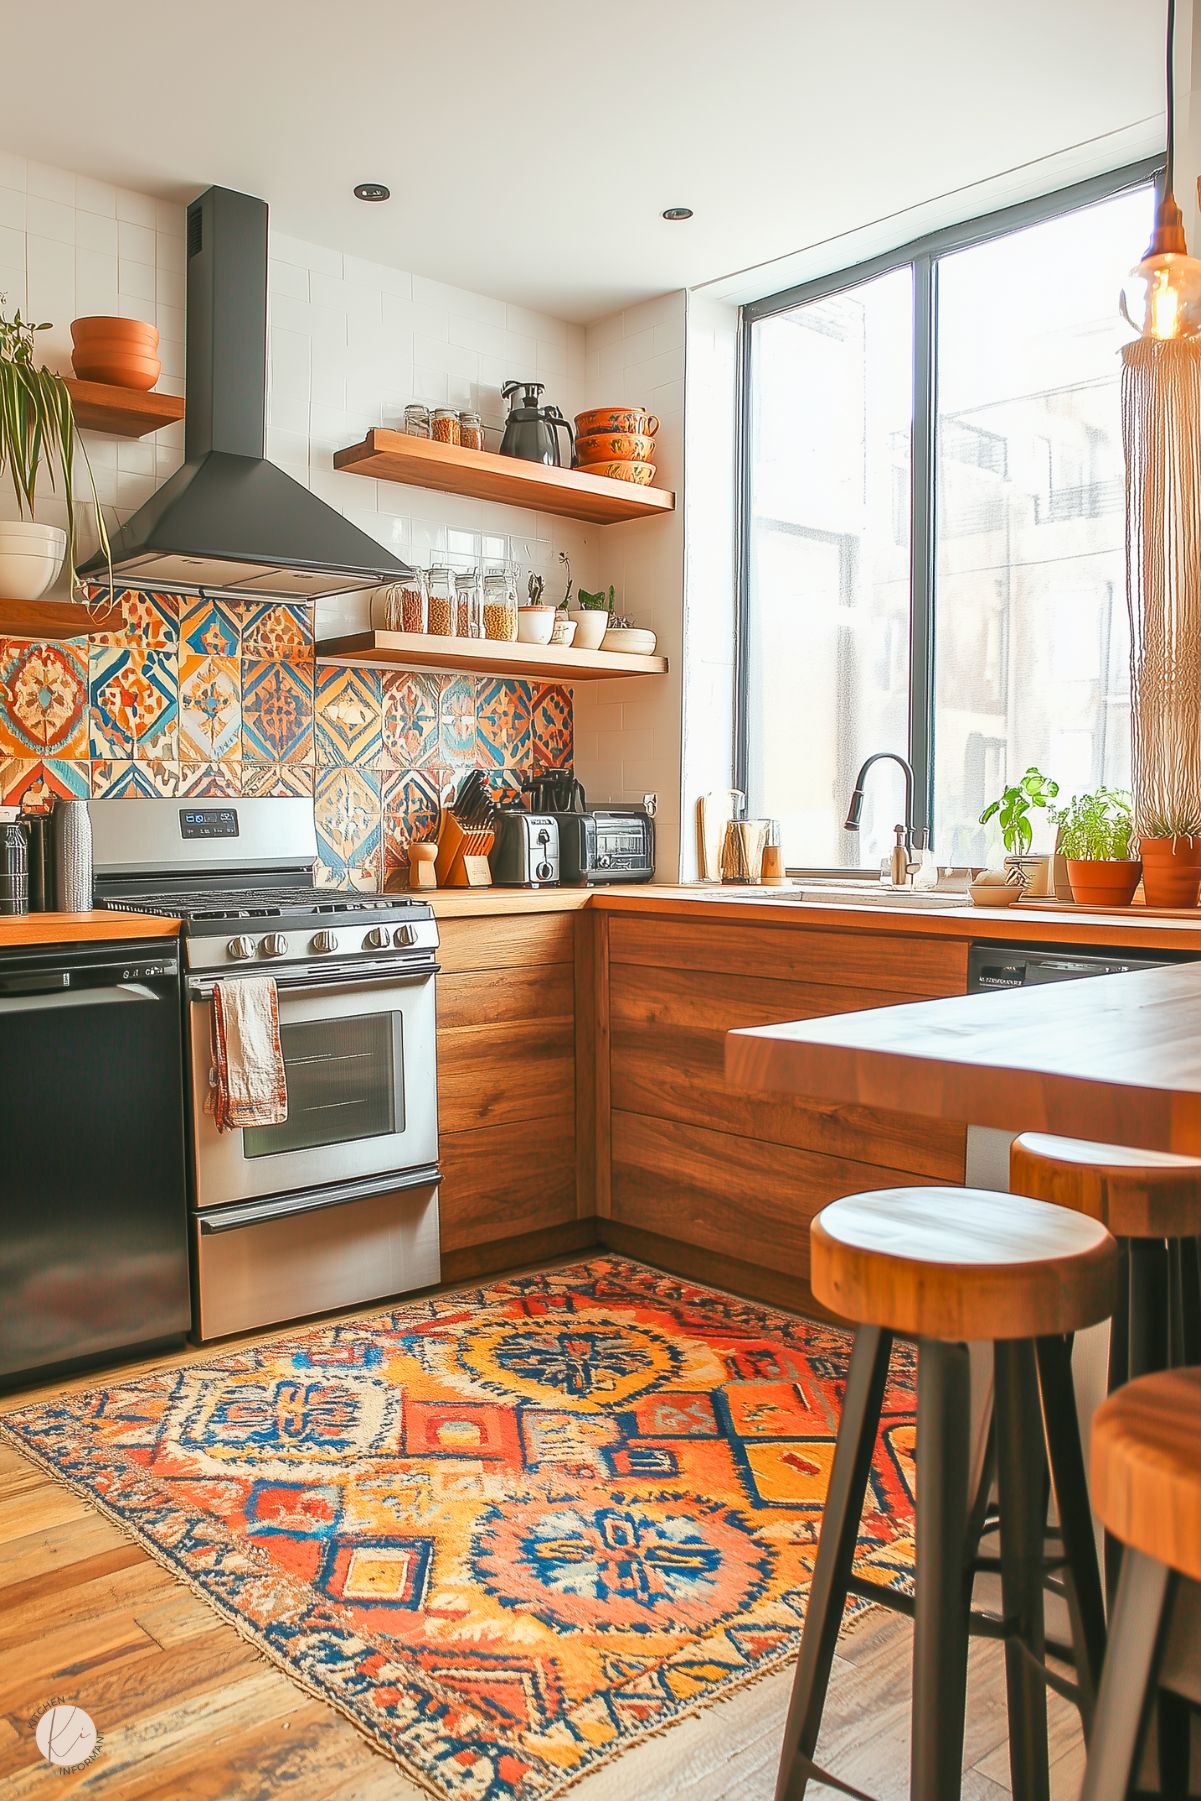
(1162, 294)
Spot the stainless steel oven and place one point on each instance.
(359, 1052)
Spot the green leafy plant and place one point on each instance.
(600, 602)
(37, 431)
(1095, 827)
(1034, 792)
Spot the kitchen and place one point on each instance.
(421, 1368)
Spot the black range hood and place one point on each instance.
(228, 518)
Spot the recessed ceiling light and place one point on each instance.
(675, 213)
(372, 190)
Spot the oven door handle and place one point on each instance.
(202, 990)
(312, 1200)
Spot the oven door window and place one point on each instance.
(344, 1082)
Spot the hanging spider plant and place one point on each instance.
(37, 430)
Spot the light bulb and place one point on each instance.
(1161, 297)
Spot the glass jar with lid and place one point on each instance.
(444, 425)
(471, 431)
(500, 606)
(468, 621)
(417, 420)
(440, 603)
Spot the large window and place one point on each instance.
(933, 557)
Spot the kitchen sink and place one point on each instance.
(862, 894)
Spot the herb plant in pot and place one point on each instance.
(1170, 847)
(591, 614)
(1094, 837)
(536, 620)
(1012, 810)
(37, 432)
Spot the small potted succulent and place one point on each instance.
(624, 635)
(1094, 836)
(1012, 810)
(535, 620)
(591, 615)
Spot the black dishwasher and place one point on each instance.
(93, 1221)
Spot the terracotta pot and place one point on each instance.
(1099, 883)
(616, 418)
(618, 446)
(1171, 871)
(118, 351)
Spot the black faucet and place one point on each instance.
(851, 823)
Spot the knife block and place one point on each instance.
(462, 860)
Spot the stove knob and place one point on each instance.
(377, 938)
(239, 949)
(405, 935)
(275, 944)
(324, 941)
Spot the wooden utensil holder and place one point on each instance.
(462, 860)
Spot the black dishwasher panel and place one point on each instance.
(93, 1223)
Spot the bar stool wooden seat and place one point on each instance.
(1146, 1479)
(948, 1266)
(1151, 1202)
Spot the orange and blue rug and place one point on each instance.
(508, 1531)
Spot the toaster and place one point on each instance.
(613, 843)
(525, 853)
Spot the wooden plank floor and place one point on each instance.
(189, 1709)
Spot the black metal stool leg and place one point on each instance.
(1128, 1679)
(1190, 1292)
(1119, 1328)
(1082, 1574)
(835, 1554)
(1173, 1732)
(942, 1577)
(1148, 1327)
(1020, 1481)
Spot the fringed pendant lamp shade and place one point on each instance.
(1161, 429)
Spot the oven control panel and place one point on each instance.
(208, 822)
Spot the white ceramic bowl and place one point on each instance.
(992, 890)
(591, 624)
(632, 639)
(30, 558)
(535, 624)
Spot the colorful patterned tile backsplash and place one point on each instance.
(216, 697)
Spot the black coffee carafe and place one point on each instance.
(532, 431)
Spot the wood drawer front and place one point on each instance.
(668, 1035)
(736, 1196)
(911, 967)
(506, 1047)
(507, 1180)
(505, 942)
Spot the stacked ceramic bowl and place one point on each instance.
(121, 352)
(617, 441)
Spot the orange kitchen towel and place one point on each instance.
(248, 1084)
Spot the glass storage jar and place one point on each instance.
(417, 420)
(500, 607)
(440, 604)
(468, 622)
(471, 431)
(445, 425)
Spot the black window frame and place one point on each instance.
(922, 255)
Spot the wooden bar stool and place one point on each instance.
(947, 1266)
(1146, 1478)
(1151, 1202)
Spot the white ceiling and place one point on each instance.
(531, 145)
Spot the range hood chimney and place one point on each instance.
(228, 518)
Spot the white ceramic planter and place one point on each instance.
(634, 640)
(31, 556)
(591, 624)
(535, 624)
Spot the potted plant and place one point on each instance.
(37, 430)
(1012, 809)
(591, 615)
(624, 635)
(1094, 836)
(536, 620)
(1170, 847)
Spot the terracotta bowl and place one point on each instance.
(131, 331)
(616, 418)
(625, 447)
(642, 473)
(118, 364)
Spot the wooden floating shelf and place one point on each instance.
(128, 412)
(58, 619)
(393, 456)
(485, 656)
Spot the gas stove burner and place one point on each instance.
(201, 904)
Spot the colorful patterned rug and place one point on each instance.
(508, 1531)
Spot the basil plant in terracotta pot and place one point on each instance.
(37, 437)
(1012, 810)
(1094, 836)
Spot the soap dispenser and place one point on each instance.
(900, 860)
